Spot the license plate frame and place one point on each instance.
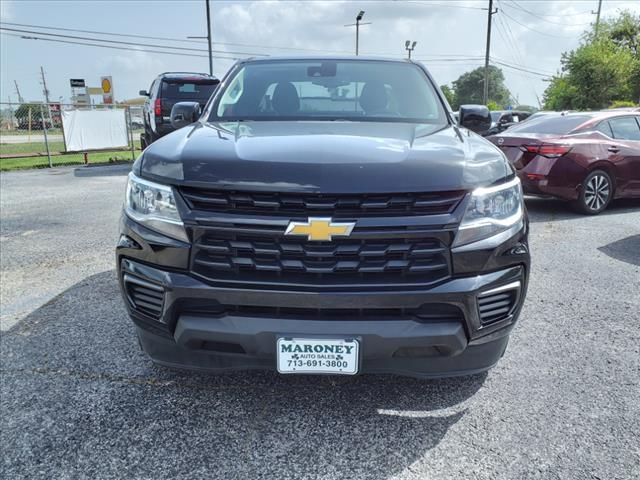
(320, 356)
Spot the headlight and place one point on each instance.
(492, 210)
(154, 206)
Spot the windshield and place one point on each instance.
(495, 116)
(329, 90)
(551, 124)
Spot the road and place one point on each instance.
(79, 399)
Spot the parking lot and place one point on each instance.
(80, 400)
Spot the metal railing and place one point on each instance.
(32, 136)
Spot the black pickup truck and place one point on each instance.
(325, 216)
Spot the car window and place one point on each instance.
(153, 89)
(181, 90)
(625, 128)
(605, 128)
(330, 89)
(551, 124)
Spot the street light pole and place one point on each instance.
(410, 47)
(357, 25)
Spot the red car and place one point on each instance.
(588, 158)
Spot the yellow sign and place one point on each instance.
(106, 85)
(320, 229)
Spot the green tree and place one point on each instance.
(22, 112)
(559, 94)
(623, 30)
(469, 87)
(492, 106)
(450, 96)
(604, 69)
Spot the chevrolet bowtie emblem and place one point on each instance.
(320, 229)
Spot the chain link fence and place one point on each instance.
(32, 136)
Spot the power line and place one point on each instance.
(505, 31)
(125, 35)
(541, 17)
(445, 5)
(532, 29)
(522, 69)
(84, 44)
(275, 47)
(119, 42)
(101, 33)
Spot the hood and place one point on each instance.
(324, 157)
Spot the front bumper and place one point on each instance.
(193, 332)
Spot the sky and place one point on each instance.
(527, 34)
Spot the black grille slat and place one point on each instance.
(145, 297)
(497, 306)
(221, 254)
(336, 206)
(492, 306)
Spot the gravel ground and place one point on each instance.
(79, 400)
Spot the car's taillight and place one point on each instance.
(157, 107)
(547, 149)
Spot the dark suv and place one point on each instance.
(166, 90)
(325, 216)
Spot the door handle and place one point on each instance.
(613, 149)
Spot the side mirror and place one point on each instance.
(475, 117)
(184, 113)
(144, 93)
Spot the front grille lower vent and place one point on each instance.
(307, 204)
(429, 312)
(497, 304)
(145, 297)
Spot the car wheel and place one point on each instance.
(597, 192)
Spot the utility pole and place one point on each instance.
(409, 47)
(208, 37)
(357, 25)
(485, 94)
(46, 97)
(598, 16)
(44, 85)
(20, 99)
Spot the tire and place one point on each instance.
(149, 137)
(596, 193)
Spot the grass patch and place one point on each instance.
(33, 147)
(62, 160)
